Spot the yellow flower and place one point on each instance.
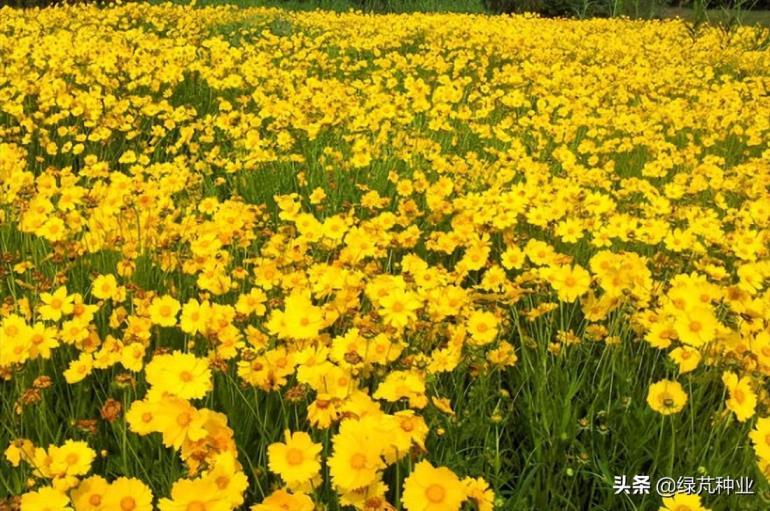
(433, 489)
(178, 421)
(686, 358)
(403, 384)
(666, 397)
(512, 258)
(104, 287)
(760, 437)
(195, 495)
(480, 493)
(228, 477)
(356, 459)
(163, 311)
(297, 461)
(127, 494)
(56, 304)
(682, 502)
(90, 494)
(195, 317)
(141, 417)
(252, 303)
(482, 326)
(696, 326)
(42, 341)
(300, 319)
(45, 499)
(132, 356)
(281, 500)
(73, 458)
(399, 307)
(79, 369)
(179, 374)
(569, 282)
(742, 399)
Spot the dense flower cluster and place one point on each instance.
(341, 210)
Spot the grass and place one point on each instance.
(393, 6)
(746, 17)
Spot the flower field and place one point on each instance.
(293, 261)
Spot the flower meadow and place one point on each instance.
(269, 260)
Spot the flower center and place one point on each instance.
(127, 504)
(358, 461)
(183, 419)
(435, 493)
(294, 456)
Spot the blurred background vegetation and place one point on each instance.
(732, 12)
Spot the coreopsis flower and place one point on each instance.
(195, 317)
(357, 456)
(742, 399)
(72, 458)
(128, 494)
(479, 493)
(104, 287)
(300, 319)
(433, 489)
(179, 374)
(178, 421)
(228, 476)
(297, 460)
(280, 500)
(403, 384)
(90, 494)
(45, 499)
(56, 304)
(696, 326)
(201, 494)
(482, 327)
(666, 397)
(682, 502)
(163, 310)
(760, 437)
(398, 308)
(79, 369)
(569, 282)
(686, 358)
